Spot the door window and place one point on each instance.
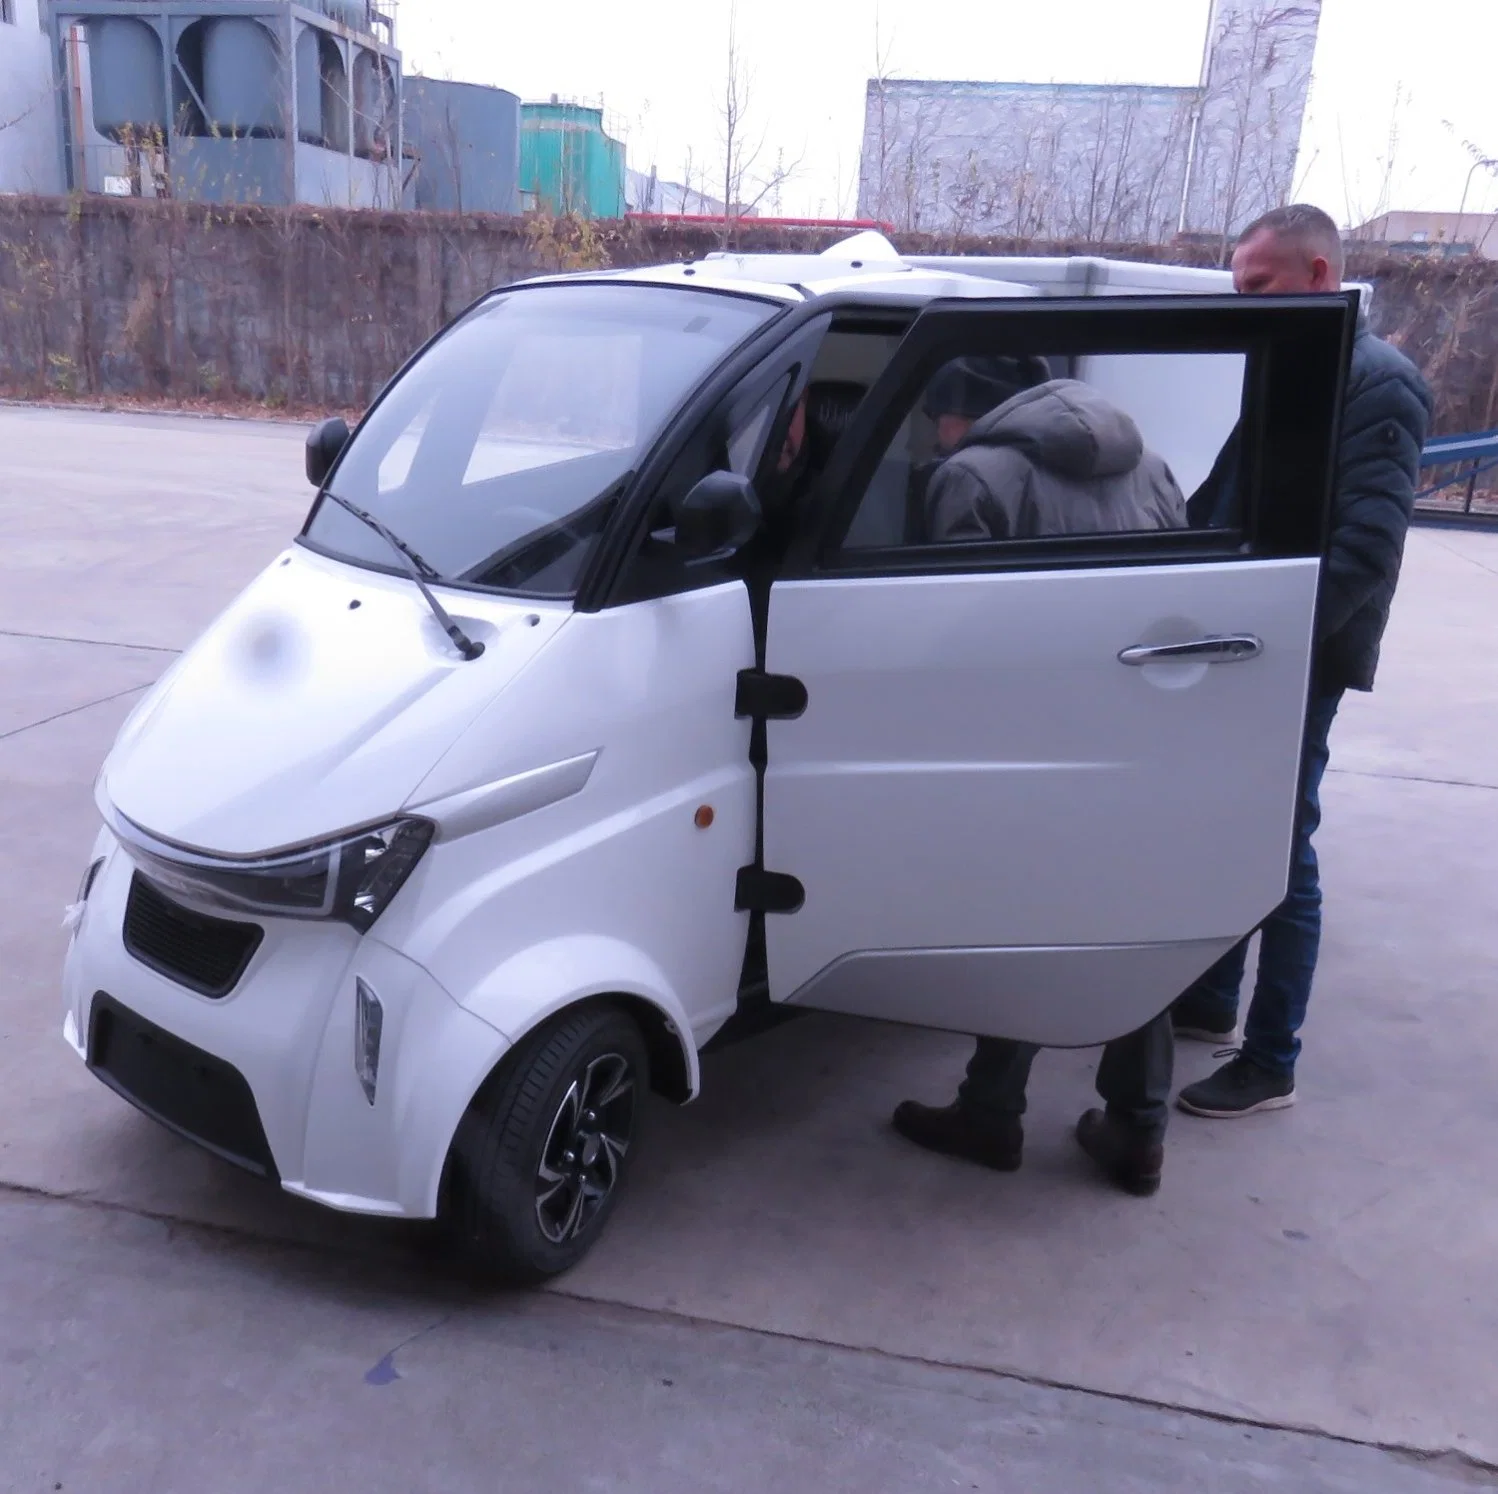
(1064, 433)
(992, 448)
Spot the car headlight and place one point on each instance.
(351, 879)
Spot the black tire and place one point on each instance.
(533, 1179)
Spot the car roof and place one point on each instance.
(868, 264)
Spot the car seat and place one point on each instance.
(830, 404)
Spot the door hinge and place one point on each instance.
(769, 697)
(760, 891)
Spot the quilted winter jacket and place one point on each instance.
(1384, 423)
(1057, 459)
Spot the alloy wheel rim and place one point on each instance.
(585, 1148)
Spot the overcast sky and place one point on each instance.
(658, 67)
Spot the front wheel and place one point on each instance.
(544, 1149)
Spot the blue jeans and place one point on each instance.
(1289, 939)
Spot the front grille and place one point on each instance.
(189, 1091)
(207, 955)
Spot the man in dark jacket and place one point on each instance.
(1058, 458)
(1385, 418)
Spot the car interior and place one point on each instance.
(1185, 406)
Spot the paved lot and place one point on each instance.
(1330, 1268)
(290, 1370)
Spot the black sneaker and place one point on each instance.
(1239, 1087)
(1131, 1158)
(953, 1132)
(1199, 1023)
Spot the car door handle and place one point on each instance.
(1227, 649)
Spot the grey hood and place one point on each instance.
(1066, 427)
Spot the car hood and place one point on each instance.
(316, 703)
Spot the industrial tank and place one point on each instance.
(129, 88)
(466, 140)
(374, 104)
(352, 13)
(309, 87)
(241, 67)
(568, 164)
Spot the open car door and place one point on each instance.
(1038, 785)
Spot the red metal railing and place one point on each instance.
(755, 222)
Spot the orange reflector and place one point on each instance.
(704, 816)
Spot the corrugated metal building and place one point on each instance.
(647, 192)
(1100, 162)
(1029, 160)
(462, 147)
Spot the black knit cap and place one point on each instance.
(971, 387)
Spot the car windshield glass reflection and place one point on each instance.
(499, 454)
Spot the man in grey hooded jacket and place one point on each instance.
(1057, 458)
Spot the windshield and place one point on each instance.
(499, 454)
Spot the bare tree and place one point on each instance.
(874, 167)
(1304, 168)
(745, 186)
(905, 177)
(1363, 205)
(454, 162)
(1159, 214)
(1104, 177)
(1482, 160)
(1246, 139)
(918, 166)
(694, 194)
(16, 119)
(1036, 182)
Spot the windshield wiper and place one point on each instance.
(418, 570)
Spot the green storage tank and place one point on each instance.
(567, 163)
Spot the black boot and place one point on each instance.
(953, 1131)
(1130, 1157)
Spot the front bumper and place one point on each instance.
(264, 1074)
(189, 1091)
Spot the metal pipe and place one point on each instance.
(80, 139)
(1198, 104)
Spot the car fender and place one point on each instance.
(386, 1154)
(463, 1050)
(537, 982)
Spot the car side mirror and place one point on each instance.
(324, 443)
(718, 517)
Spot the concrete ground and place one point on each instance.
(822, 1297)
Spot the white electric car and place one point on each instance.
(613, 699)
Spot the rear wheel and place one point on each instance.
(544, 1149)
